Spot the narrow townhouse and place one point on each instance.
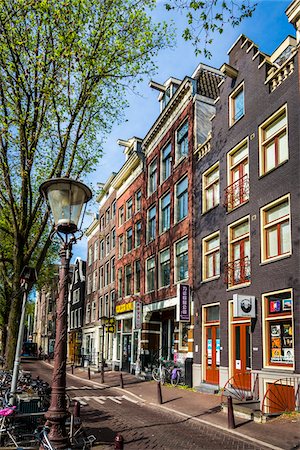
(247, 288)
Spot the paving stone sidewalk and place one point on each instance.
(280, 433)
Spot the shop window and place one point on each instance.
(181, 205)
(236, 105)
(276, 235)
(128, 274)
(138, 233)
(182, 141)
(164, 268)
(166, 162)
(183, 336)
(165, 212)
(129, 240)
(238, 267)
(129, 209)
(181, 260)
(273, 142)
(138, 200)
(152, 177)
(237, 191)
(211, 188)
(211, 256)
(278, 343)
(151, 223)
(150, 274)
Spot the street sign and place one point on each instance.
(110, 325)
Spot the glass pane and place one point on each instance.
(240, 230)
(212, 176)
(270, 156)
(239, 155)
(239, 105)
(285, 237)
(165, 255)
(182, 186)
(210, 266)
(165, 200)
(271, 129)
(272, 243)
(209, 198)
(181, 246)
(277, 211)
(283, 148)
(248, 342)
(237, 342)
(182, 131)
(213, 243)
(212, 313)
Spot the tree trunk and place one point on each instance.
(12, 330)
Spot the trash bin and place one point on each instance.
(188, 372)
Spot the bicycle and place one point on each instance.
(163, 372)
(41, 436)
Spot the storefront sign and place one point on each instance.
(184, 303)
(138, 314)
(124, 307)
(244, 306)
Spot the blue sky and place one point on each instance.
(267, 28)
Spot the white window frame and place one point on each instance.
(146, 272)
(160, 267)
(262, 141)
(152, 177)
(178, 198)
(232, 97)
(153, 220)
(161, 215)
(214, 186)
(163, 160)
(263, 210)
(180, 156)
(176, 266)
(206, 253)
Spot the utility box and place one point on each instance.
(188, 372)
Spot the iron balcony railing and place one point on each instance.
(238, 271)
(237, 193)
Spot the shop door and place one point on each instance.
(212, 354)
(242, 355)
(126, 352)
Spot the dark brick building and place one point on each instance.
(246, 253)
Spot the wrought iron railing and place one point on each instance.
(237, 193)
(238, 271)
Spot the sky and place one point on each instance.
(268, 27)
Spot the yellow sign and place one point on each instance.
(124, 307)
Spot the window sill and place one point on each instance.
(181, 281)
(277, 368)
(236, 121)
(262, 175)
(179, 161)
(163, 287)
(210, 209)
(164, 231)
(238, 286)
(150, 292)
(276, 258)
(207, 280)
(237, 206)
(181, 220)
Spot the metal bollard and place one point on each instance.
(76, 409)
(159, 394)
(119, 442)
(231, 421)
(89, 373)
(121, 381)
(72, 369)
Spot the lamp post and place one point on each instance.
(66, 199)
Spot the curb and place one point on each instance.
(179, 413)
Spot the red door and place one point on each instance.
(242, 355)
(212, 354)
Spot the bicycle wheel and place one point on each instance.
(163, 375)
(156, 375)
(175, 380)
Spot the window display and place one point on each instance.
(280, 329)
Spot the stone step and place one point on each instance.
(207, 388)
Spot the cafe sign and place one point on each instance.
(184, 303)
(124, 307)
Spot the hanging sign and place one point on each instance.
(124, 307)
(138, 314)
(184, 303)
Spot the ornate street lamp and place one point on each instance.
(66, 199)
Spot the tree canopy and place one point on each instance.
(64, 69)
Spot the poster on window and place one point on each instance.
(287, 304)
(288, 355)
(276, 355)
(276, 342)
(287, 330)
(275, 306)
(218, 348)
(209, 348)
(275, 330)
